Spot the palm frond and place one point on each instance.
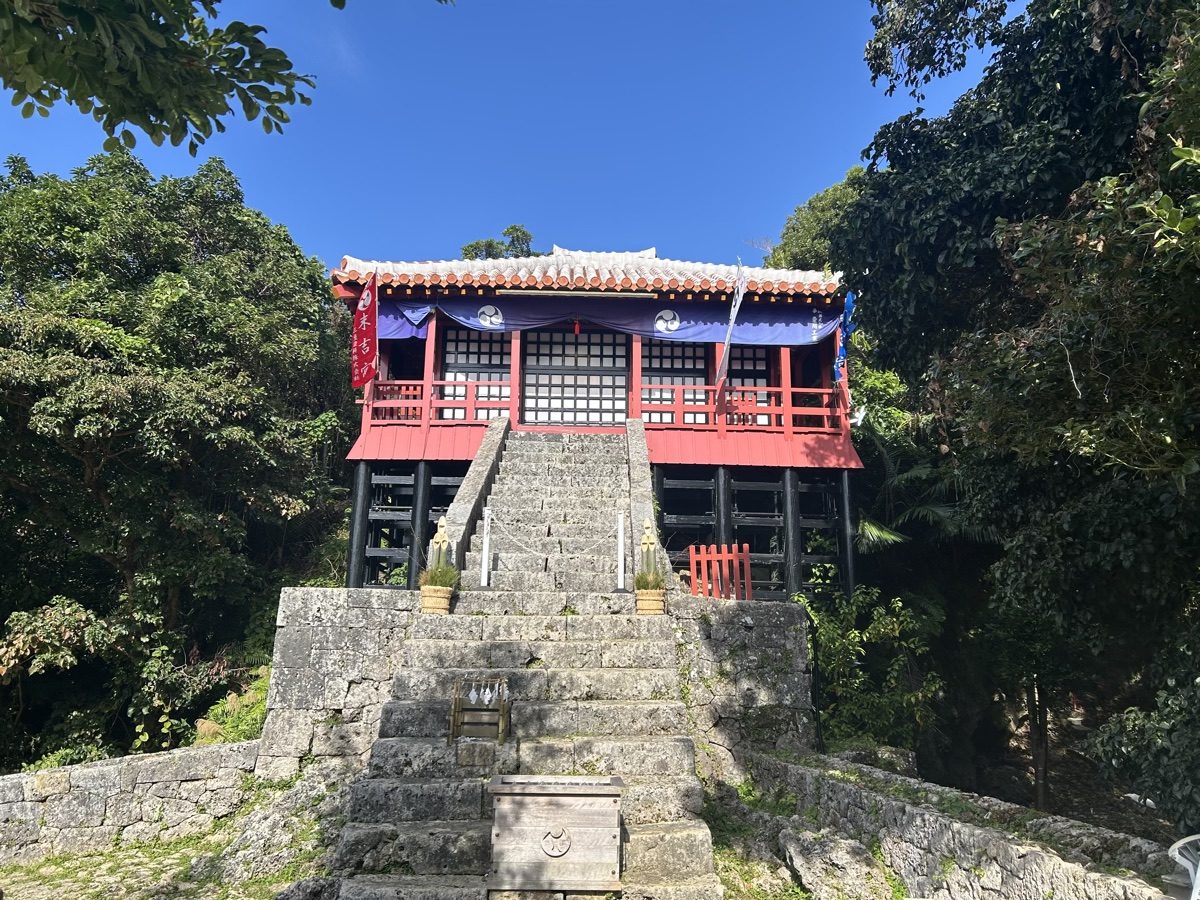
(918, 472)
(872, 536)
(929, 513)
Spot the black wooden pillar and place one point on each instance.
(723, 506)
(420, 523)
(793, 540)
(360, 508)
(847, 534)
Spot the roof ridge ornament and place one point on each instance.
(648, 253)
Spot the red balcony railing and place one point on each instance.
(443, 403)
(664, 406)
(757, 409)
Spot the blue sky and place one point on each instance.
(693, 126)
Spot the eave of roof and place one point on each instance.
(579, 270)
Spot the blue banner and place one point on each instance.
(848, 326)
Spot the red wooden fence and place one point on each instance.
(723, 572)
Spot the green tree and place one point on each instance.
(172, 381)
(157, 65)
(518, 245)
(1158, 750)
(875, 683)
(1028, 260)
(804, 243)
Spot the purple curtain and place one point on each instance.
(775, 324)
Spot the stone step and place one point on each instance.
(532, 539)
(542, 628)
(552, 494)
(535, 528)
(423, 848)
(560, 654)
(520, 561)
(545, 582)
(375, 800)
(663, 852)
(706, 887)
(589, 581)
(473, 602)
(550, 440)
(639, 755)
(413, 887)
(600, 472)
(543, 718)
(647, 798)
(596, 522)
(567, 467)
(540, 684)
(432, 757)
(661, 798)
(458, 887)
(527, 508)
(539, 582)
(560, 484)
(550, 454)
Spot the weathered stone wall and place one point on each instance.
(160, 796)
(336, 651)
(745, 674)
(947, 844)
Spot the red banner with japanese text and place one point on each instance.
(364, 344)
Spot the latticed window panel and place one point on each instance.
(564, 350)
(576, 398)
(750, 367)
(466, 348)
(469, 355)
(674, 357)
(575, 379)
(747, 360)
(673, 362)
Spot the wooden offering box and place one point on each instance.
(556, 833)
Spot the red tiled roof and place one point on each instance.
(579, 270)
(744, 448)
(460, 441)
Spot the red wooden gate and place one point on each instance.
(723, 572)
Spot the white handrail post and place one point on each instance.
(621, 551)
(485, 562)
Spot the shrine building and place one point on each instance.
(756, 451)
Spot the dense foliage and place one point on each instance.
(157, 65)
(915, 547)
(871, 664)
(1028, 262)
(172, 381)
(1157, 749)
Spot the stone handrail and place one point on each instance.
(641, 498)
(467, 507)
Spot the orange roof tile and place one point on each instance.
(580, 270)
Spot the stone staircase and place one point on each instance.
(595, 691)
(553, 540)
